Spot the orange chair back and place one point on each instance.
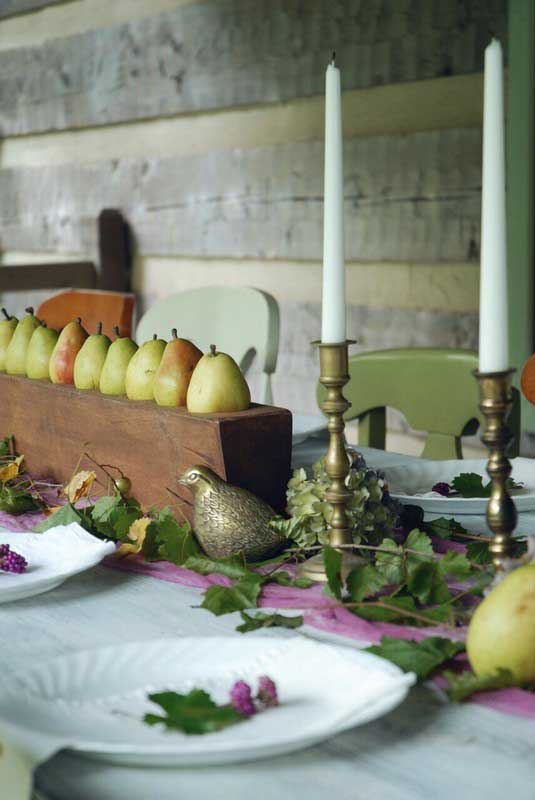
(93, 306)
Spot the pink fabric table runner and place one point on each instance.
(319, 610)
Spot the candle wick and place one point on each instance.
(333, 60)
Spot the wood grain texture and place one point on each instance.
(408, 198)
(10, 8)
(227, 53)
(54, 425)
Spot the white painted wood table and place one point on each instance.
(424, 750)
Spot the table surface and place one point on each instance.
(424, 749)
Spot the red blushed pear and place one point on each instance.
(174, 373)
(64, 354)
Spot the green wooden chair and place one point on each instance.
(433, 388)
(239, 320)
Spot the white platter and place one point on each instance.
(52, 557)
(93, 702)
(412, 482)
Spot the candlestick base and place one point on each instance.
(496, 401)
(333, 376)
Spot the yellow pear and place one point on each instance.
(217, 385)
(502, 630)
(141, 370)
(17, 347)
(7, 329)
(40, 351)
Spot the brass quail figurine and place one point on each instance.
(228, 520)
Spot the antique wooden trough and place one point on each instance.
(54, 425)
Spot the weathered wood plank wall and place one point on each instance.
(408, 198)
(9, 8)
(226, 53)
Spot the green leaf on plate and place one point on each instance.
(192, 713)
(332, 560)
(418, 657)
(465, 684)
(255, 622)
(364, 581)
(239, 597)
(470, 484)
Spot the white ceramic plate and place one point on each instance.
(412, 483)
(306, 425)
(52, 557)
(93, 702)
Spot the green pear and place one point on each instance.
(174, 373)
(113, 375)
(39, 352)
(67, 347)
(90, 360)
(7, 329)
(141, 369)
(16, 349)
(502, 629)
(217, 385)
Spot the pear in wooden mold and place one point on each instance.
(90, 360)
(40, 352)
(142, 368)
(17, 347)
(67, 347)
(7, 329)
(174, 373)
(113, 375)
(217, 385)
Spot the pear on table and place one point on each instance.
(119, 355)
(18, 346)
(217, 385)
(175, 370)
(40, 352)
(90, 360)
(7, 329)
(141, 370)
(67, 347)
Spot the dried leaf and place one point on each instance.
(138, 530)
(79, 485)
(11, 470)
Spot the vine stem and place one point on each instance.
(388, 607)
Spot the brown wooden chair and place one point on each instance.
(93, 306)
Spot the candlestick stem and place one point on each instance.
(334, 374)
(496, 401)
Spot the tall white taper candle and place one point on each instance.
(333, 320)
(493, 323)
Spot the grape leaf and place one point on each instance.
(63, 516)
(4, 446)
(260, 620)
(418, 657)
(470, 484)
(113, 516)
(454, 563)
(167, 540)
(226, 599)
(284, 579)
(479, 553)
(444, 528)
(191, 713)
(466, 683)
(400, 608)
(17, 501)
(364, 581)
(427, 584)
(231, 567)
(332, 560)
(390, 566)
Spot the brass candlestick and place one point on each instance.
(496, 401)
(334, 375)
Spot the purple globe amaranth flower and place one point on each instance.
(13, 562)
(442, 488)
(241, 699)
(267, 692)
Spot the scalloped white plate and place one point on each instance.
(93, 702)
(52, 557)
(412, 483)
